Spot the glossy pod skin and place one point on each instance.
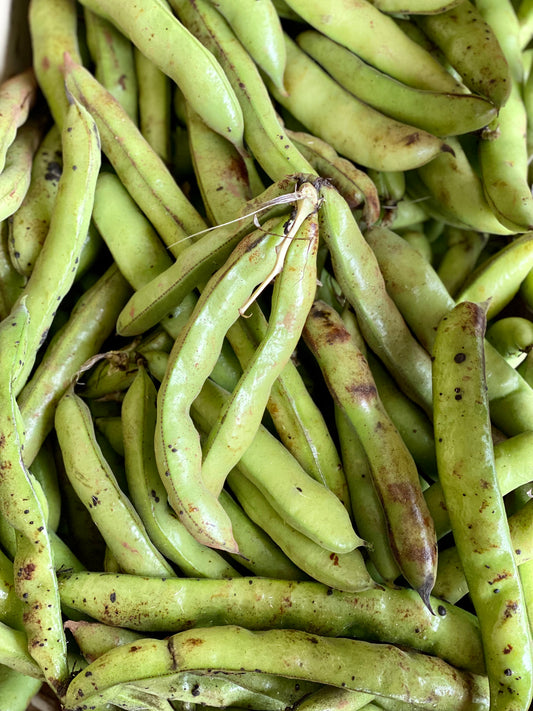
(479, 522)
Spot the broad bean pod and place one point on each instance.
(342, 571)
(154, 104)
(138, 416)
(394, 473)
(35, 579)
(467, 473)
(31, 222)
(91, 321)
(55, 268)
(112, 55)
(423, 301)
(352, 664)
(139, 167)
(293, 293)
(16, 176)
(304, 503)
(177, 443)
(170, 46)
(392, 615)
(17, 96)
(357, 271)
(97, 487)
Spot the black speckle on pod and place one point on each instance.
(459, 357)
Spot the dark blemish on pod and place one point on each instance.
(113, 597)
(459, 357)
(508, 649)
(508, 672)
(441, 610)
(195, 691)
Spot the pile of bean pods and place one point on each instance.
(266, 345)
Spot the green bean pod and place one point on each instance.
(91, 321)
(11, 282)
(55, 268)
(359, 276)
(411, 531)
(178, 449)
(53, 28)
(467, 473)
(97, 487)
(30, 223)
(35, 579)
(351, 664)
(158, 34)
(112, 54)
(148, 493)
(16, 176)
(154, 104)
(139, 167)
(300, 500)
(341, 571)
(293, 294)
(17, 96)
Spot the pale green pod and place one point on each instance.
(30, 223)
(327, 110)
(16, 175)
(17, 96)
(53, 29)
(472, 48)
(257, 25)
(365, 30)
(439, 113)
(154, 105)
(167, 43)
(112, 54)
